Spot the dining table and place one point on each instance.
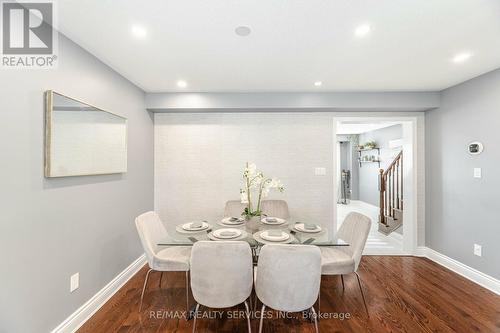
(251, 233)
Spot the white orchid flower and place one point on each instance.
(243, 197)
(250, 170)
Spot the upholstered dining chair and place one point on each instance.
(221, 275)
(161, 259)
(275, 208)
(234, 208)
(288, 278)
(345, 259)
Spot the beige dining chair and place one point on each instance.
(221, 275)
(161, 259)
(234, 208)
(345, 259)
(288, 278)
(275, 208)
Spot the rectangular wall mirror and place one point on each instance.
(81, 139)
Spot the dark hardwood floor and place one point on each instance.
(404, 294)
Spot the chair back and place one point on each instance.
(275, 208)
(234, 208)
(151, 230)
(355, 230)
(221, 273)
(288, 276)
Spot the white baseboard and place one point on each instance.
(397, 237)
(470, 273)
(80, 316)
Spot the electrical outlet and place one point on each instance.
(320, 171)
(74, 282)
(477, 173)
(478, 250)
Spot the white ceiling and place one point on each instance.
(293, 43)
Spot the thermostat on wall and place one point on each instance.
(475, 148)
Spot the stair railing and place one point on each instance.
(391, 188)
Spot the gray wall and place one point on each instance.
(462, 210)
(53, 228)
(199, 160)
(369, 172)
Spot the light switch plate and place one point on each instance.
(478, 250)
(320, 171)
(74, 282)
(477, 173)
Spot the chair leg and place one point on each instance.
(362, 294)
(161, 277)
(319, 299)
(343, 286)
(248, 317)
(195, 315)
(315, 316)
(187, 293)
(261, 317)
(144, 288)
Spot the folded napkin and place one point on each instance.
(310, 226)
(274, 233)
(196, 225)
(227, 233)
(271, 219)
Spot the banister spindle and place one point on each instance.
(397, 184)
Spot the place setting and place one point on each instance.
(273, 221)
(226, 234)
(193, 227)
(273, 236)
(309, 228)
(232, 221)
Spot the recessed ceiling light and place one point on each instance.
(318, 83)
(461, 57)
(362, 30)
(182, 84)
(242, 31)
(138, 31)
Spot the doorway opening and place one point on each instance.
(372, 174)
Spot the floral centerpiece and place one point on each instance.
(255, 188)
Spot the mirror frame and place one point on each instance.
(49, 105)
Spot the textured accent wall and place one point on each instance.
(199, 160)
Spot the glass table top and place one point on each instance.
(250, 232)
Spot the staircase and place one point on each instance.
(391, 196)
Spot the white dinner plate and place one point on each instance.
(187, 226)
(265, 236)
(219, 233)
(301, 227)
(277, 222)
(227, 221)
